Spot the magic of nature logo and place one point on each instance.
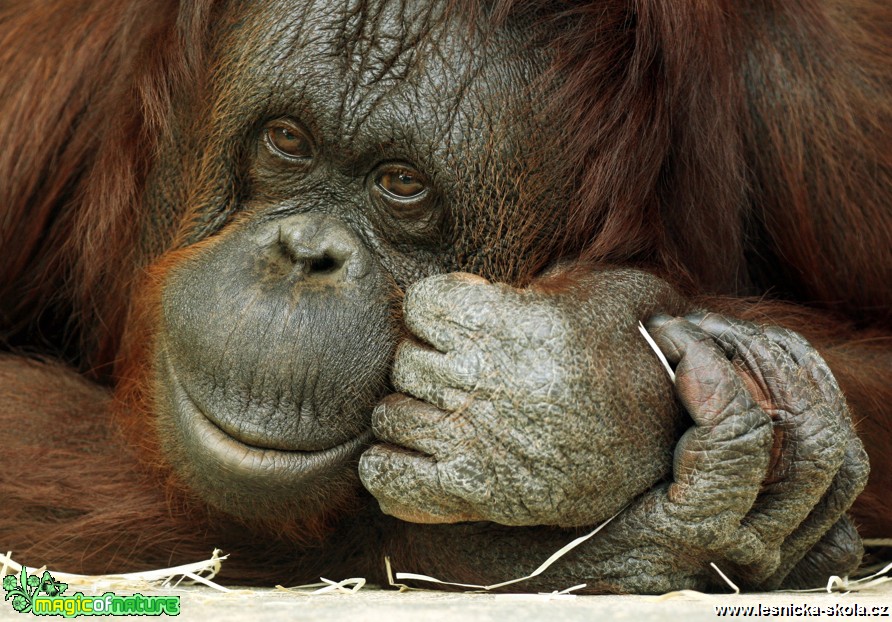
(44, 596)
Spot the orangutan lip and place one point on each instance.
(363, 438)
(233, 455)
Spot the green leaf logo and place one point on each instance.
(10, 582)
(51, 587)
(23, 589)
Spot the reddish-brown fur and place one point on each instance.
(745, 148)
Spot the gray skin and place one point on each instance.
(525, 407)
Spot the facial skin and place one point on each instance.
(372, 159)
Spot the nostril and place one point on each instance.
(323, 265)
(312, 261)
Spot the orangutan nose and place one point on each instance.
(322, 248)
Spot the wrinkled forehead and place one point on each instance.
(358, 64)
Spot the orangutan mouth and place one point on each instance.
(202, 435)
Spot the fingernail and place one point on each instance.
(657, 321)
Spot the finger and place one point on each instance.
(809, 457)
(424, 373)
(845, 488)
(411, 423)
(814, 430)
(708, 385)
(720, 463)
(809, 361)
(812, 438)
(774, 372)
(447, 310)
(838, 552)
(407, 486)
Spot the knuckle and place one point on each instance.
(390, 415)
(404, 360)
(467, 368)
(440, 291)
(856, 464)
(419, 294)
(787, 336)
(465, 478)
(372, 465)
(380, 420)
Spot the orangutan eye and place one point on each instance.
(402, 183)
(288, 140)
